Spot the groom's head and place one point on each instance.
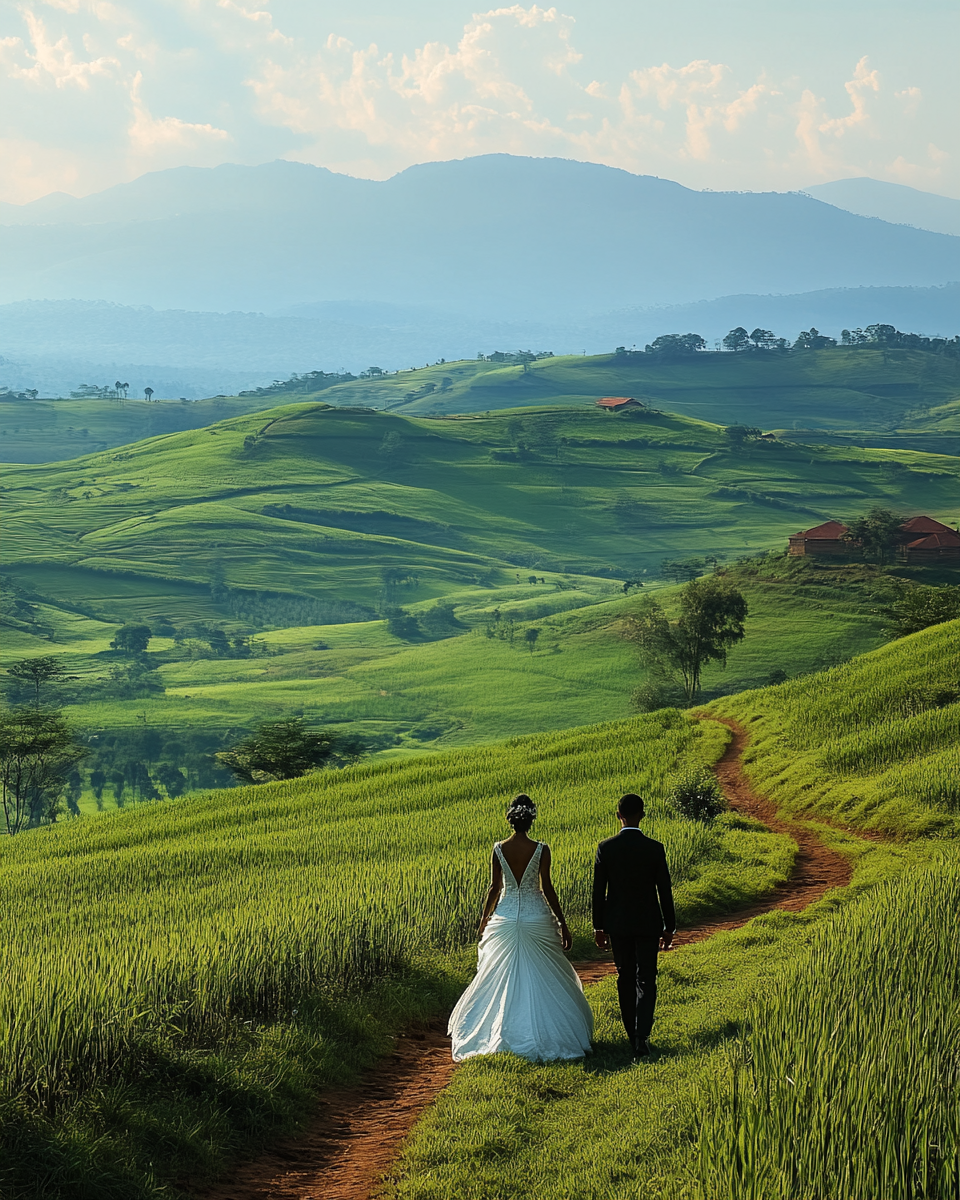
(630, 809)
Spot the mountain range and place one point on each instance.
(199, 280)
(496, 236)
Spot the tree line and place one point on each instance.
(738, 340)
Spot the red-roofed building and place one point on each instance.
(822, 541)
(617, 403)
(942, 546)
(921, 526)
(921, 540)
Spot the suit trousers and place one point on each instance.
(636, 961)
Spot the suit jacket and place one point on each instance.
(631, 886)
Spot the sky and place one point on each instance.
(727, 96)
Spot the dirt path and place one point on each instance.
(358, 1131)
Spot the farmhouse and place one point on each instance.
(921, 540)
(618, 403)
(822, 541)
(924, 540)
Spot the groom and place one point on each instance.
(633, 916)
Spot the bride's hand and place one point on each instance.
(566, 941)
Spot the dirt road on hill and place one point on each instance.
(357, 1132)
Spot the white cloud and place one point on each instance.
(148, 133)
(233, 80)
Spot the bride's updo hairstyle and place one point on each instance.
(522, 813)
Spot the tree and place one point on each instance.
(739, 435)
(172, 778)
(98, 781)
(813, 339)
(287, 750)
(118, 388)
(530, 637)
(677, 345)
(401, 623)
(877, 534)
(441, 620)
(36, 672)
(919, 607)
(148, 392)
(712, 616)
(763, 339)
(37, 754)
(737, 339)
(132, 638)
(681, 570)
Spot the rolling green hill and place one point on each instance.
(299, 525)
(462, 690)
(853, 389)
(36, 431)
(889, 398)
(314, 502)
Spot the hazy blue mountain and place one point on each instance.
(893, 202)
(498, 237)
(55, 345)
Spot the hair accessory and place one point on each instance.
(523, 806)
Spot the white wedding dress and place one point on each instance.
(526, 998)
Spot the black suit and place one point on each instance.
(633, 905)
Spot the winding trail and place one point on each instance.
(357, 1132)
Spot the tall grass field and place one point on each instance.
(805, 1056)
(185, 974)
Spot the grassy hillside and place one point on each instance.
(302, 525)
(315, 502)
(35, 431)
(777, 1045)
(253, 945)
(893, 398)
(461, 690)
(833, 389)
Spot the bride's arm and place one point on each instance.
(552, 899)
(493, 892)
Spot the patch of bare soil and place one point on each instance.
(357, 1132)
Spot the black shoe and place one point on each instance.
(641, 1048)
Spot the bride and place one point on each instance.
(526, 998)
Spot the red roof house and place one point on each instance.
(824, 540)
(921, 540)
(617, 403)
(924, 540)
(921, 526)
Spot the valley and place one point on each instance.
(454, 587)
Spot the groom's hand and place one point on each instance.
(666, 940)
(600, 937)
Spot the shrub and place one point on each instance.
(697, 796)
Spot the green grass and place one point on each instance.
(841, 389)
(195, 525)
(875, 742)
(907, 398)
(777, 1045)
(471, 689)
(36, 431)
(788, 1115)
(250, 946)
